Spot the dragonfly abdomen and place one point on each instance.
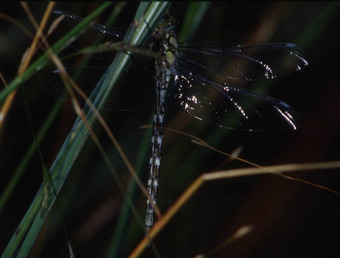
(162, 83)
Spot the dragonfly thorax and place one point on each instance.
(165, 43)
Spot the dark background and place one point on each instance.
(290, 219)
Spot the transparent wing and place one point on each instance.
(231, 107)
(114, 33)
(242, 63)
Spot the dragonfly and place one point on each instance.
(205, 82)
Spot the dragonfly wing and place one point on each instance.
(231, 107)
(243, 63)
(113, 33)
